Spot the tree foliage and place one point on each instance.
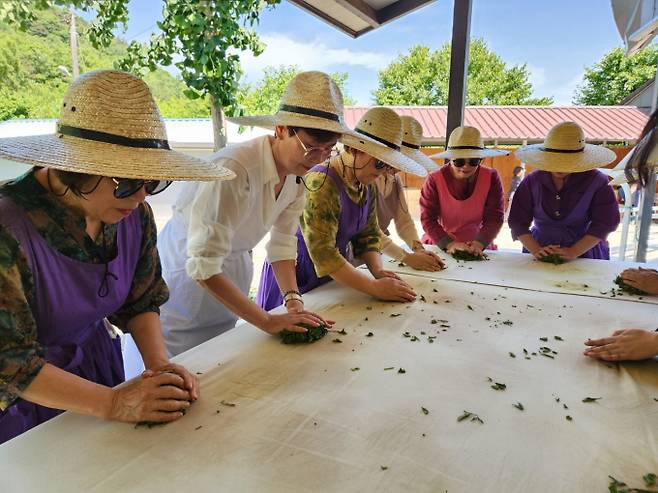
(421, 77)
(616, 76)
(33, 63)
(264, 96)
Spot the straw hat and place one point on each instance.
(310, 100)
(565, 151)
(466, 142)
(109, 125)
(412, 139)
(379, 134)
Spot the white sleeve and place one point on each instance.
(215, 213)
(283, 241)
(404, 224)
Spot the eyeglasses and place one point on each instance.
(382, 165)
(126, 187)
(317, 153)
(473, 162)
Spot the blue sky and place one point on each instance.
(557, 39)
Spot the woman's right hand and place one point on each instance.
(391, 289)
(455, 246)
(643, 279)
(155, 396)
(290, 321)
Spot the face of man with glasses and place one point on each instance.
(305, 150)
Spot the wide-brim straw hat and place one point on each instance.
(310, 100)
(565, 151)
(412, 139)
(379, 134)
(109, 125)
(466, 142)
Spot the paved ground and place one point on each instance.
(162, 208)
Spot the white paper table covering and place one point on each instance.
(581, 276)
(304, 421)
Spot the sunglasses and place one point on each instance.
(473, 162)
(126, 187)
(382, 165)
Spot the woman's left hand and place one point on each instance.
(296, 306)
(190, 382)
(567, 253)
(476, 248)
(643, 279)
(624, 345)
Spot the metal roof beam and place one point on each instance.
(362, 10)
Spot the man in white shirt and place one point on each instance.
(205, 248)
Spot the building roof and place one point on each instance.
(515, 124)
(632, 97)
(357, 17)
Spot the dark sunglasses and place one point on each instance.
(126, 187)
(473, 162)
(382, 165)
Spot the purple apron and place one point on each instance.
(353, 218)
(68, 311)
(568, 230)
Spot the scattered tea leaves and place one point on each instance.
(356, 368)
(402, 370)
(342, 332)
(425, 411)
(337, 341)
(465, 255)
(591, 399)
(519, 406)
(369, 334)
(470, 415)
(227, 403)
(650, 479)
(393, 315)
(558, 338)
(543, 339)
(569, 418)
(512, 355)
(469, 307)
(383, 468)
(499, 386)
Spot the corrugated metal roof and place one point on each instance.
(514, 124)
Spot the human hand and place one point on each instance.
(476, 248)
(294, 306)
(454, 246)
(155, 396)
(643, 279)
(423, 260)
(392, 289)
(567, 253)
(546, 250)
(291, 322)
(190, 382)
(624, 345)
(381, 273)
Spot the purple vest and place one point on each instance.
(568, 230)
(353, 219)
(68, 311)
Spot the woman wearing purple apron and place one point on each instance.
(341, 209)
(77, 247)
(566, 207)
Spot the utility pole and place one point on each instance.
(73, 37)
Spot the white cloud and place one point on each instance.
(537, 75)
(564, 93)
(312, 55)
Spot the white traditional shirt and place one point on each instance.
(224, 217)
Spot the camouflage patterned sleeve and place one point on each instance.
(148, 290)
(367, 240)
(21, 356)
(319, 223)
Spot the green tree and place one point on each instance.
(264, 96)
(421, 77)
(207, 34)
(616, 76)
(33, 64)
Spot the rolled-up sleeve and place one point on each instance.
(217, 210)
(283, 242)
(21, 355)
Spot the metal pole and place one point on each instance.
(648, 196)
(461, 28)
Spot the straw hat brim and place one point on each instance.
(291, 120)
(383, 153)
(469, 153)
(102, 159)
(420, 157)
(592, 156)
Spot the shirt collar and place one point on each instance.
(269, 166)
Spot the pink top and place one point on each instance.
(466, 211)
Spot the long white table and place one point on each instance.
(341, 417)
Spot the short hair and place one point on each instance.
(317, 134)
